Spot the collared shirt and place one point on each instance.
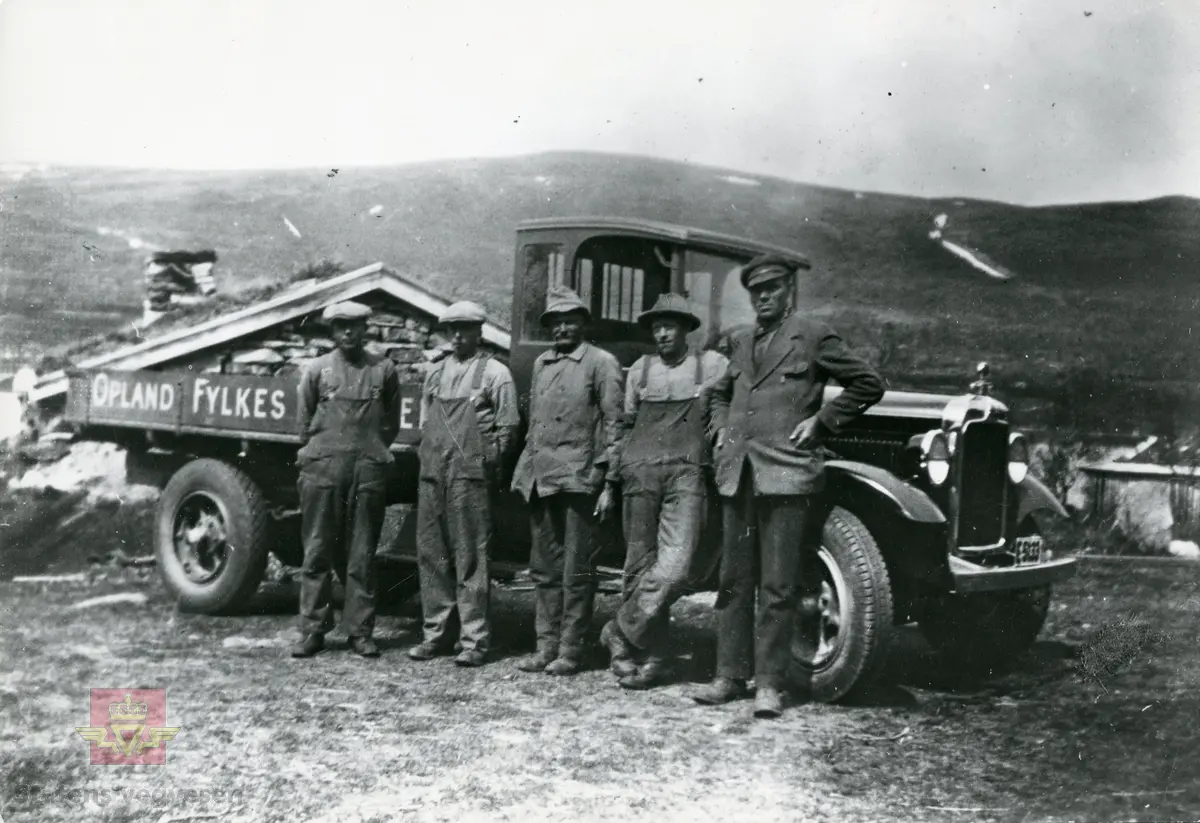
(574, 422)
(496, 406)
(763, 337)
(665, 382)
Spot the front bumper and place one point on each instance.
(969, 577)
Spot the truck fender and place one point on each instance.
(1033, 496)
(908, 526)
(902, 498)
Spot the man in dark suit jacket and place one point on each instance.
(767, 420)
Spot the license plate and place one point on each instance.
(1029, 550)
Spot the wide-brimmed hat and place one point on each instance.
(561, 300)
(346, 310)
(767, 267)
(464, 311)
(672, 306)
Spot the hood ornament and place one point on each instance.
(982, 387)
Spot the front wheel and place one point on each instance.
(844, 645)
(985, 633)
(212, 536)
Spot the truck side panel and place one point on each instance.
(224, 405)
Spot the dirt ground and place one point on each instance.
(1100, 722)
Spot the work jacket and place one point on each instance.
(574, 422)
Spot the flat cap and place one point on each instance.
(347, 310)
(767, 267)
(464, 311)
(561, 300)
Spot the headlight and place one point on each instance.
(1018, 457)
(935, 457)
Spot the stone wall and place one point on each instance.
(396, 331)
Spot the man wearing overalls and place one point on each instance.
(663, 462)
(470, 418)
(349, 415)
(574, 425)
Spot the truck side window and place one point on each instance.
(545, 265)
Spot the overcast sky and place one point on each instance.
(1029, 101)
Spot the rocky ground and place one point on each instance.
(1100, 722)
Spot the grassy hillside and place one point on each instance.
(1094, 330)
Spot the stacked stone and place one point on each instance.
(178, 277)
(409, 339)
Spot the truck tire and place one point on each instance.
(982, 634)
(842, 649)
(212, 536)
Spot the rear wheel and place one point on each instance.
(843, 646)
(212, 536)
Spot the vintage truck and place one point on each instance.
(930, 512)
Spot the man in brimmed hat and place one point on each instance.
(469, 409)
(662, 465)
(574, 425)
(768, 422)
(349, 415)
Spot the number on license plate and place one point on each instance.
(1029, 549)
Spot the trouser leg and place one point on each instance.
(639, 522)
(645, 616)
(365, 522)
(781, 525)
(546, 569)
(735, 597)
(322, 504)
(579, 578)
(469, 523)
(435, 566)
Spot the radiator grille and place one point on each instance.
(983, 451)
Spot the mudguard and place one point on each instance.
(901, 498)
(908, 526)
(1033, 496)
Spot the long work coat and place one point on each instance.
(759, 404)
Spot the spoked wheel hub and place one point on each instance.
(201, 537)
(821, 624)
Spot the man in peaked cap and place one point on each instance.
(469, 409)
(574, 425)
(768, 422)
(349, 415)
(663, 465)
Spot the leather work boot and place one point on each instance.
(620, 650)
(309, 645)
(537, 662)
(426, 651)
(470, 658)
(564, 667)
(364, 647)
(721, 690)
(768, 702)
(654, 672)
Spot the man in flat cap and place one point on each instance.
(574, 424)
(349, 415)
(469, 409)
(662, 464)
(768, 422)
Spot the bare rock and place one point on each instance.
(1186, 549)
